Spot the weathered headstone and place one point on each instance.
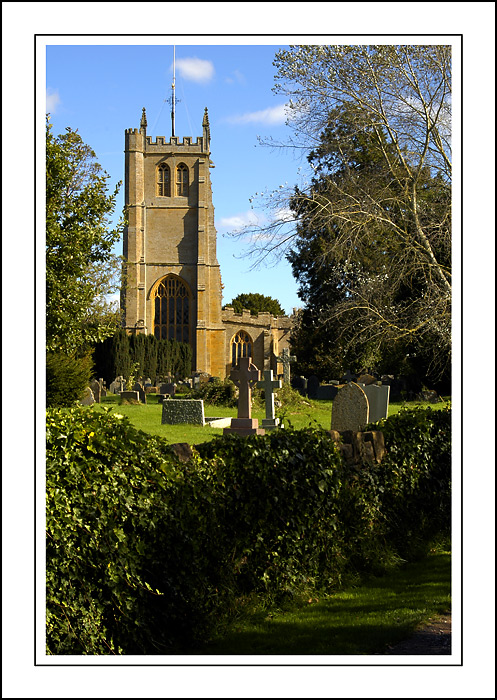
(300, 384)
(270, 422)
(118, 385)
(327, 392)
(244, 378)
(348, 377)
(350, 408)
(96, 389)
(286, 359)
(88, 398)
(130, 396)
(378, 399)
(141, 392)
(366, 379)
(168, 388)
(312, 386)
(177, 411)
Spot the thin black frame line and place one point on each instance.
(461, 663)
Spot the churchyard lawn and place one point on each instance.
(147, 417)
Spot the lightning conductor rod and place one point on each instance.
(173, 99)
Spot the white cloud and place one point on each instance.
(239, 221)
(195, 69)
(271, 116)
(236, 77)
(53, 100)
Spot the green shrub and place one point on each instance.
(67, 378)
(161, 551)
(217, 392)
(125, 573)
(416, 477)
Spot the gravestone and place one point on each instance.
(300, 384)
(348, 377)
(270, 422)
(118, 385)
(130, 396)
(244, 378)
(350, 409)
(96, 388)
(327, 392)
(366, 379)
(378, 399)
(168, 388)
(88, 398)
(179, 411)
(286, 359)
(312, 386)
(141, 392)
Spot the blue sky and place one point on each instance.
(101, 89)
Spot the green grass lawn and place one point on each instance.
(362, 620)
(147, 417)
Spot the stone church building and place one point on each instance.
(172, 284)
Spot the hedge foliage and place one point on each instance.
(146, 554)
(67, 378)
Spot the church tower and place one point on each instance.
(172, 285)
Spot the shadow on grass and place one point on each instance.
(358, 621)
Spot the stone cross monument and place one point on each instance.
(268, 384)
(286, 359)
(244, 378)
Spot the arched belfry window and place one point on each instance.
(163, 180)
(172, 304)
(241, 346)
(182, 180)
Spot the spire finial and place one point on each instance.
(143, 123)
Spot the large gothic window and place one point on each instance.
(172, 304)
(182, 180)
(163, 180)
(241, 346)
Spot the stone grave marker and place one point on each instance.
(286, 359)
(312, 386)
(327, 392)
(348, 377)
(96, 389)
(378, 399)
(167, 388)
(270, 422)
(350, 409)
(141, 392)
(177, 411)
(88, 398)
(244, 378)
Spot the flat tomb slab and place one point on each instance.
(176, 411)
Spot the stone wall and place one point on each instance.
(357, 448)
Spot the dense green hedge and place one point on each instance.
(145, 553)
(67, 378)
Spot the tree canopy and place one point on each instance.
(371, 226)
(256, 303)
(81, 269)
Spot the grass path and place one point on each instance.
(363, 620)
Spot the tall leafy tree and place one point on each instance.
(256, 303)
(80, 267)
(388, 220)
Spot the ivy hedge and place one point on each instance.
(145, 554)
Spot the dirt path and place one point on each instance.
(432, 638)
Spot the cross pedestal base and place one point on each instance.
(270, 423)
(244, 426)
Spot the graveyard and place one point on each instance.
(299, 413)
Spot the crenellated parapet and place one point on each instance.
(263, 318)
